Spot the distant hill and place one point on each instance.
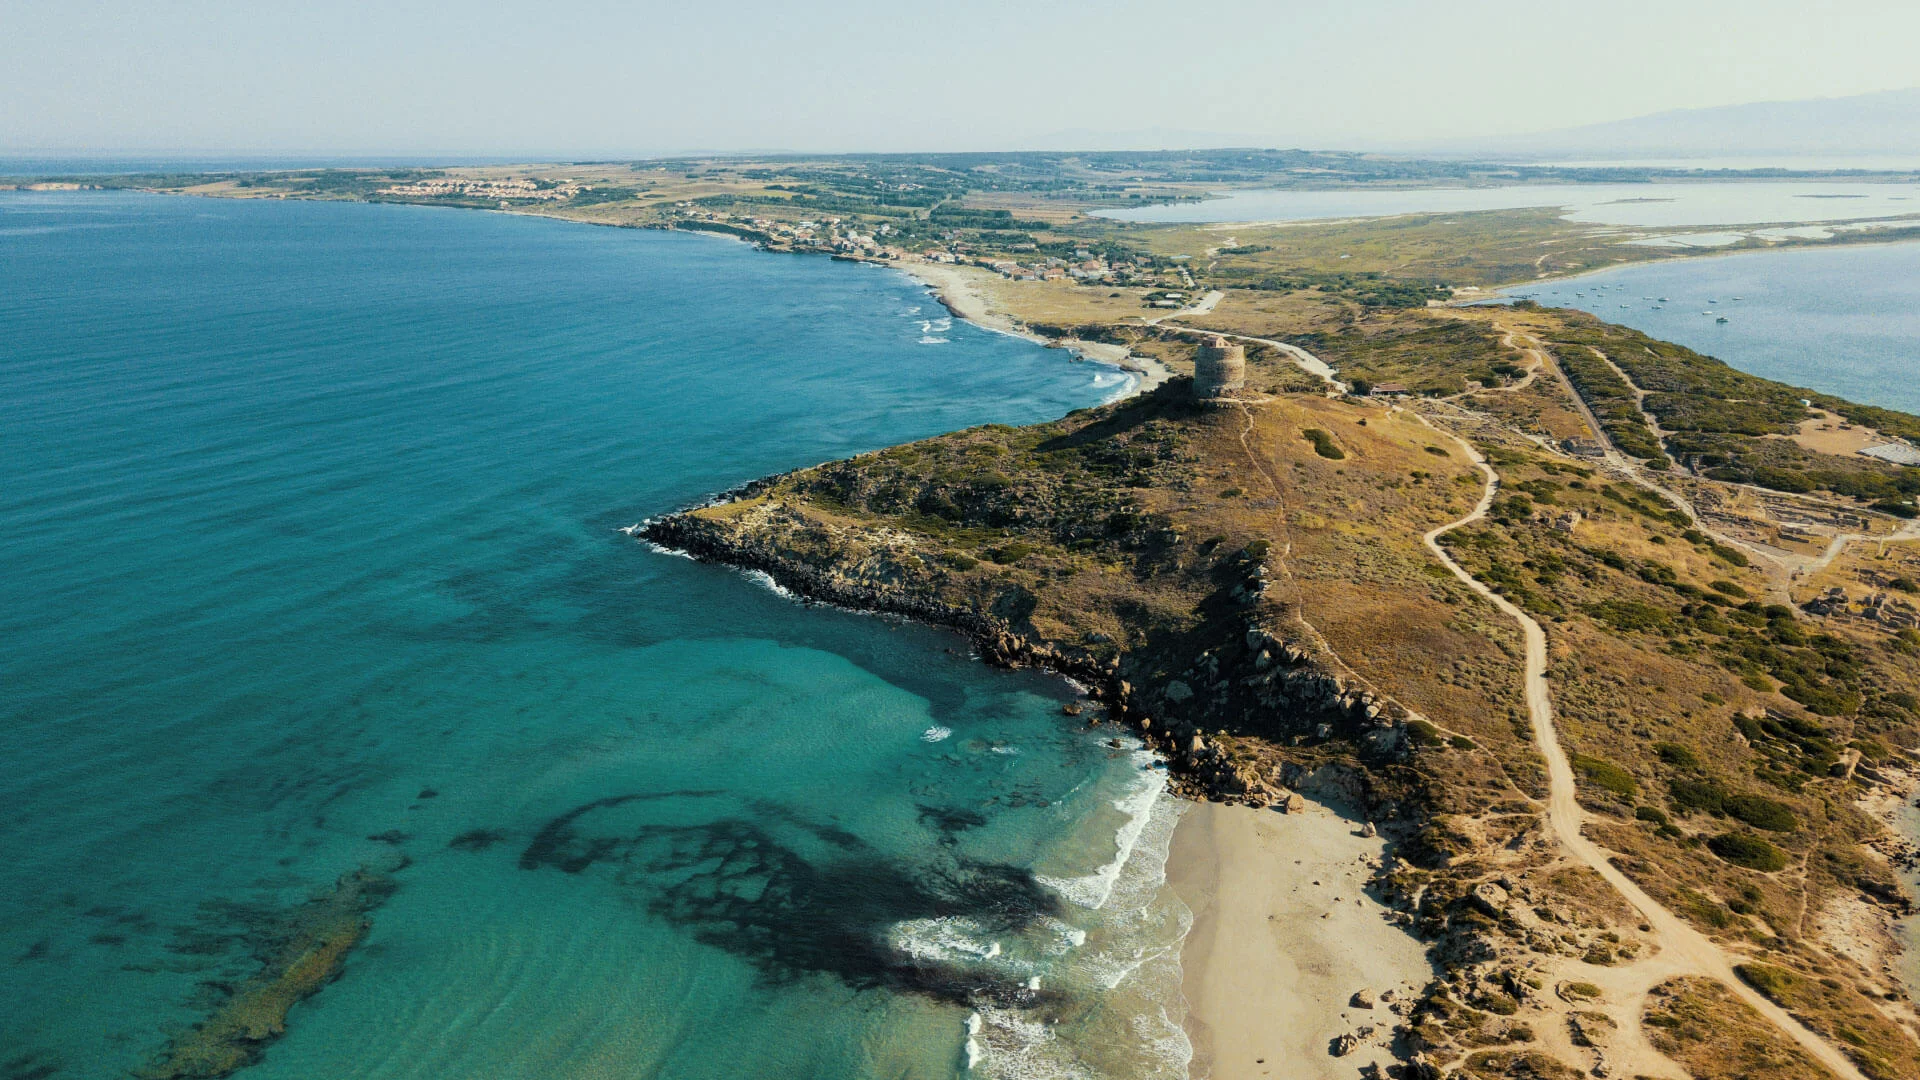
(1867, 124)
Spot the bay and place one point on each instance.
(309, 513)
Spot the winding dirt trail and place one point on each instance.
(1682, 949)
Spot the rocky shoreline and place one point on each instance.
(1479, 931)
(1275, 674)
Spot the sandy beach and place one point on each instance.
(1283, 937)
(963, 290)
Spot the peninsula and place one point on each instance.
(1609, 652)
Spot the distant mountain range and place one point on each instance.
(1862, 126)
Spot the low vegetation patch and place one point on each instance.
(1323, 444)
(1748, 850)
(1605, 774)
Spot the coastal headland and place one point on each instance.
(1243, 582)
(1573, 657)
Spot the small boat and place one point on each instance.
(1721, 319)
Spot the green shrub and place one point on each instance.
(1870, 749)
(1774, 982)
(1748, 850)
(1650, 813)
(1499, 1004)
(1423, 733)
(1437, 451)
(1701, 908)
(1676, 755)
(1692, 795)
(1727, 587)
(1629, 615)
(1761, 813)
(959, 561)
(1822, 699)
(1732, 556)
(1008, 554)
(1323, 444)
(1605, 774)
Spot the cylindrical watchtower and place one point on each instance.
(1219, 369)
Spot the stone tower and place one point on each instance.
(1219, 369)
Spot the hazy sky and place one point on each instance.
(599, 78)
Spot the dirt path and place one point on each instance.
(1682, 949)
(1627, 468)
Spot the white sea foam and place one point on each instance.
(936, 733)
(1122, 970)
(1066, 936)
(1093, 890)
(660, 549)
(1008, 1046)
(929, 339)
(950, 939)
(1123, 387)
(762, 578)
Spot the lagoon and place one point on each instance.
(1652, 205)
(1843, 320)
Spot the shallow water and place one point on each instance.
(310, 534)
(1843, 320)
(1655, 205)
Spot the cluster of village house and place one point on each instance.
(488, 189)
(834, 234)
(826, 233)
(1084, 266)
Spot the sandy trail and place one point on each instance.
(1682, 949)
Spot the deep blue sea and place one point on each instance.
(309, 562)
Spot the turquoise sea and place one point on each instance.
(308, 520)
